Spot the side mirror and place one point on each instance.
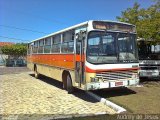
(81, 35)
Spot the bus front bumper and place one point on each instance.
(111, 84)
(149, 73)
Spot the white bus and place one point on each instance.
(91, 55)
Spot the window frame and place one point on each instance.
(71, 34)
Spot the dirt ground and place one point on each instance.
(12, 70)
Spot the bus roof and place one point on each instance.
(78, 25)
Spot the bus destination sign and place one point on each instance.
(113, 26)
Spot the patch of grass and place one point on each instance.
(145, 101)
(122, 105)
(137, 100)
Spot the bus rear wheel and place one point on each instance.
(36, 74)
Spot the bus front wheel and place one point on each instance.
(69, 86)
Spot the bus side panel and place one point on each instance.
(53, 72)
(61, 61)
(49, 71)
(53, 65)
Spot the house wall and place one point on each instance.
(2, 59)
(2, 56)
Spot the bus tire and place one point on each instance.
(69, 86)
(36, 74)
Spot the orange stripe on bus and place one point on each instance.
(64, 60)
(78, 58)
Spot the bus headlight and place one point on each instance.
(135, 75)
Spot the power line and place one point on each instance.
(12, 27)
(14, 38)
(40, 17)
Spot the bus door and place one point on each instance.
(79, 71)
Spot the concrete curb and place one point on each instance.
(115, 107)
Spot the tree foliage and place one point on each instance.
(15, 50)
(146, 20)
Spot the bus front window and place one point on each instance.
(101, 47)
(111, 47)
(127, 47)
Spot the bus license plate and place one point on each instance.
(118, 83)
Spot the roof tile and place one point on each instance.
(5, 43)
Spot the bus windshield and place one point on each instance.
(147, 51)
(111, 47)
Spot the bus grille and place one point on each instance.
(116, 75)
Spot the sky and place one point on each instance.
(26, 20)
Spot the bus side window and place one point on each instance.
(35, 47)
(41, 44)
(56, 43)
(47, 46)
(68, 42)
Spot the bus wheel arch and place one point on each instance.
(67, 81)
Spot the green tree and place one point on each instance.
(15, 50)
(146, 20)
(130, 15)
